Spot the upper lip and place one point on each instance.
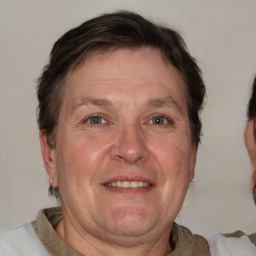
(128, 178)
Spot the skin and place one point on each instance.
(250, 142)
(141, 132)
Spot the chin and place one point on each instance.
(131, 222)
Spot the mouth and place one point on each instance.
(128, 184)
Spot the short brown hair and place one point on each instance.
(112, 31)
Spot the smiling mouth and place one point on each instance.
(128, 184)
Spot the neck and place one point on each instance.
(90, 244)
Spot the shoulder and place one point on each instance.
(237, 243)
(190, 243)
(21, 241)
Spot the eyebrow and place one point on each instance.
(165, 102)
(92, 101)
(95, 101)
(158, 103)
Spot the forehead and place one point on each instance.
(132, 73)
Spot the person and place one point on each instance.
(118, 115)
(250, 137)
(239, 243)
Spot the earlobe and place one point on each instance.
(48, 154)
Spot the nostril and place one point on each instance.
(118, 158)
(128, 158)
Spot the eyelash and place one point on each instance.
(87, 120)
(167, 120)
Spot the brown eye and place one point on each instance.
(159, 120)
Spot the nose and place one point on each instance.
(130, 145)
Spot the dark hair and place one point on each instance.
(251, 110)
(112, 31)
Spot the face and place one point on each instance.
(250, 142)
(124, 157)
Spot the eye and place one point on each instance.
(95, 120)
(159, 120)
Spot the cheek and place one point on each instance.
(81, 155)
(173, 155)
(174, 161)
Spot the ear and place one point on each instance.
(193, 161)
(49, 158)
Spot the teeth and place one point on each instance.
(128, 184)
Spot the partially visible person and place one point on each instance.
(239, 243)
(250, 137)
(119, 106)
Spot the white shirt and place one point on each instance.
(231, 246)
(21, 241)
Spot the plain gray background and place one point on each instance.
(222, 37)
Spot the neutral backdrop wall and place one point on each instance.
(222, 37)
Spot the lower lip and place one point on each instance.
(130, 191)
